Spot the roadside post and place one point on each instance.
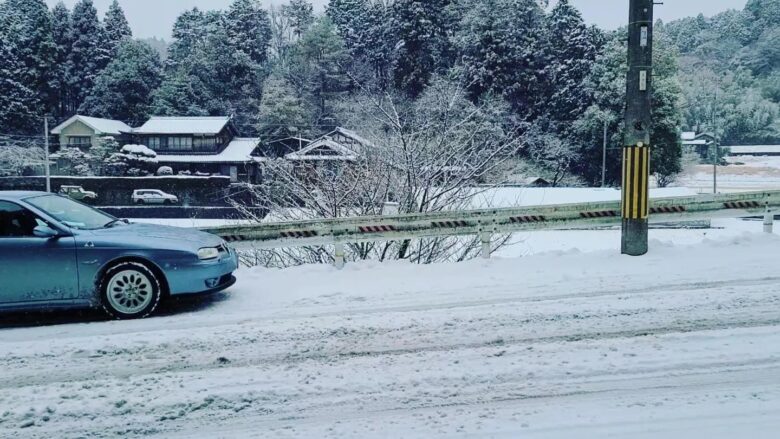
(636, 148)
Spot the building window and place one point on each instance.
(80, 141)
(205, 144)
(154, 143)
(180, 143)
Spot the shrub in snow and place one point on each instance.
(165, 170)
(132, 160)
(74, 161)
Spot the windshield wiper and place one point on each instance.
(115, 221)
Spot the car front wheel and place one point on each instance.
(129, 290)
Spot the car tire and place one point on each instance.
(129, 290)
(139, 202)
(168, 202)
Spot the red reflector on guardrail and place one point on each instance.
(299, 234)
(444, 224)
(376, 229)
(670, 209)
(742, 205)
(601, 214)
(528, 219)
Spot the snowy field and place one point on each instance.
(585, 343)
(744, 173)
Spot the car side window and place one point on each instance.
(16, 221)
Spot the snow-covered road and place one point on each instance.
(682, 343)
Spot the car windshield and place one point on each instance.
(71, 213)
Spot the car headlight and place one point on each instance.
(207, 253)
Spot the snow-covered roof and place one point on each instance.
(688, 135)
(183, 125)
(238, 151)
(341, 152)
(354, 136)
(696, 142)
(101, 126)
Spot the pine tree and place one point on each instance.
(188, 34)
(117, 28)
(572, 52)
(28, 29)
(422, 29)
(20, 109)
(282, 112)
(366, 29)
(301, 15)
(124, 89)
(181, 94)
(61, 25)
(503, 52)
(317, 70)
(249, 29)
(88, 56)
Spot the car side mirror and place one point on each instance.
(45, 232)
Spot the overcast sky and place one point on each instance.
(150, 18)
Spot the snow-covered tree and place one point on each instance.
(88, 55)
(503, 52)
(117, 29)
(27, 27)
(282, 112)
(426, 156)
(571, 51)
(61, 32)
(19, 158)
(249, 29)
(301, 16)
(124, 89)
(317, 70)
(422, 29)
(20, 106)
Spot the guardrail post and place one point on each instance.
(485, 237)
(769, 220)
(339, 256)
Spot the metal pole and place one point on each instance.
(715, 169)
(46, 164)
(339, 256)
(485, 237)
(636, 151)
(769, 220)
(604, 158)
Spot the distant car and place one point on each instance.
(153, 196)
(58, 253)
(78, 193)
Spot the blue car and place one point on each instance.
(59, 253)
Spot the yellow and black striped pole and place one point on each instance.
(636, 151)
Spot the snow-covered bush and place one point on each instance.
(74, 161)
(165, 170)
(18, 159)
(132, 160)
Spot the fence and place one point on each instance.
(487, 222)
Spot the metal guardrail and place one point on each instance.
(487, 222)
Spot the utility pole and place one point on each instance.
(46, 165)
(636, 150)
(604, 157)
(715, 167)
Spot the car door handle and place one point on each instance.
(92, 262)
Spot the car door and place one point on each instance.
(33, 269)
(157, 197)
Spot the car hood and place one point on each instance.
(154, 236)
